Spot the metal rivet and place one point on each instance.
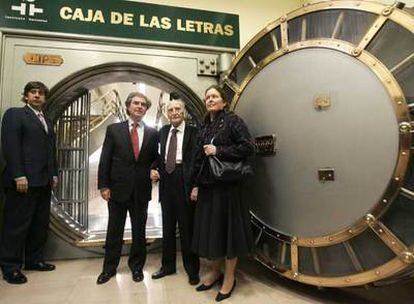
(380, 231)
(385, 200)
(377, 272)
(396, 178)
(405, 127)
(387, 11)
(404, 153)
(295, 275)
(356, 52)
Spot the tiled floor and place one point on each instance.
(74, 283)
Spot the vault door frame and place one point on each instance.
(73, 87)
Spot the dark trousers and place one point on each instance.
(177, 208)
(25, 226)
(114, 238)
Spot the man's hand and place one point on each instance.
(154, 175)
(106, 194)
(194, 194)
(22, 185)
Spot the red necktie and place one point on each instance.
(135, 140)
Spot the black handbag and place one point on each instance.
(229, 171)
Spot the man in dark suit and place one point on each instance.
(178, 141)
(129, 149)
(28, 144)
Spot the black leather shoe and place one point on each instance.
(15, 277)
(222, 296)
(203, 286)
(105, 277)
(137, 276)
(161, 273)
(41, 266)
(194, 280)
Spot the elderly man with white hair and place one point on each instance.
(173, 169)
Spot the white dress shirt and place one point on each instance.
(180, 137)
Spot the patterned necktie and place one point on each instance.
(42, 120)
(172, 152)
(135, 139)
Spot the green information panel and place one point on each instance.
(123, 19)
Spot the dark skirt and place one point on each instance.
(221, 224)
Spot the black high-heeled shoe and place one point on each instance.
(203, 286)
(222, 296)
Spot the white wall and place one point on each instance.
(254, 15)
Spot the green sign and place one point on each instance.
(123, 19)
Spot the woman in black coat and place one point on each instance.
(221, 224)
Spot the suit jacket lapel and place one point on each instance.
(34, 118)
(163, 141)
(145, 141)
(49, 125)
(186, 139)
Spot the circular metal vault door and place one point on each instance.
(356, 128)
(332, 84)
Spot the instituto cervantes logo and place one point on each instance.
(26, 10)
(28, 7)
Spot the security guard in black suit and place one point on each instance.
(28, 144)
